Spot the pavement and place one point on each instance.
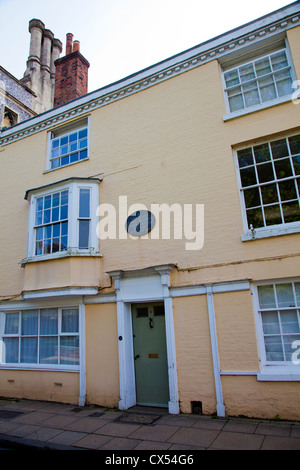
(35, 425)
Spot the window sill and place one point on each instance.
(254, 109)
(279, 374)
(40, 367)
(268, 232)
(71, 252)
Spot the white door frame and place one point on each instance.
(146, 285)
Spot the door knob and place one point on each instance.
(136, 357)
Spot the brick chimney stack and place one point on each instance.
(71, 77)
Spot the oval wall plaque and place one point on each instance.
(140, 223)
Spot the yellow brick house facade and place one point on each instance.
(164, 204)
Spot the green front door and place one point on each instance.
(150, 354)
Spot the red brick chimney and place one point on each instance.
(71, 74)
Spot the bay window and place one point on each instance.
(62, 218)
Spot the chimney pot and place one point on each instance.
(76, 46)
(69, 43)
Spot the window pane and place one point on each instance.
(288, 343)
(291, 211)
(29, 323)
(74, 157)
(297, 290)
(270, 323)
(262, 153)
(49, 321)
(283, 168)
(251, 94)
(248, 176)
(273, 215)
(84, 203)
(266, 296)
(284, 83)
(29, 350)
(49, 350)
(83, 154)
(247, 72)
(269, 193)
(82, 133)
(295, 144)
(69, 350)
(236, 102)
(296, 162)
(289, 322)
(11, 324)
(262, 67)
(231, 78)
(279, 148)
(267, 89)
(285, 295)
(265, 172)
(245, 157)
(255, 218)
(11, 350)
(252, 197)
(70, 321)
(287, 190)
(279, 60)
(274, 351)
(84, 231)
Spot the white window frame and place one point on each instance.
(271, 370)
(39, 366)
(266, 104)
(73, 185)
(270, 230)
(64, 131)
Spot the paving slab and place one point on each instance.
(120, 443)
(247, 427)
(118, 429)
(280, 443)
(237, 441)
(273, 429)
(194, 436)
(87, 425)
(67, 437)
(33, 417)
(44, 434)
(92, 441)
(158, 432)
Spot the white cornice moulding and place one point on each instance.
(267, 26)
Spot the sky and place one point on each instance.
(121, 37)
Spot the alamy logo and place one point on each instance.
(161, 221)
(296, 354)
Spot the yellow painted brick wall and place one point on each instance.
(167, 144)
(247, 397)
(194, 359)
(40, 385)
(236, 332)
(102, 363)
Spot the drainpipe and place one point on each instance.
(82, 356)
(215, 352)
